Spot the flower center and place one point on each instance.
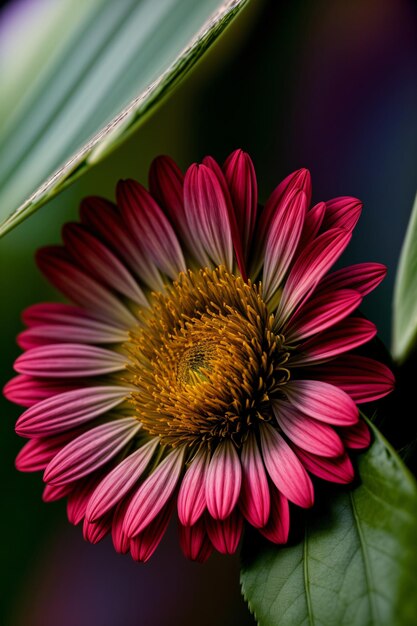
(205, 360)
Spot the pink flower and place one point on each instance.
(204, 365)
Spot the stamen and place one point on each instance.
(205, 360)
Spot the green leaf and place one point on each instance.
(356, 565)
(111, 67)
(405, 294)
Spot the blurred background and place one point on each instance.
(330, 86)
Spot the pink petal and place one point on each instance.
(254, 500)
(209, 162)
(207, 216)
(90, 451)
(117, 484)
(315, 260)
(312, 224)
(225, 534)
(143, 545)
(357, 436)
(223, 480)
(300, 179)
(307, 433)
(278, 526)
(322, 401)
(104, 219)
(321, 312)
(363, 277)
(58, 268)
(36, 453)
(194, 542)
(97, 531)
(121, 541)
(154, 493)
(74, 333)
(78, 499)
(335, 469)
(69, 410)
(51, 493)
(241, 179)
(27, 391)
(342, 212)
(166, 182)
(282, 240)
(285, 470)
(191, 495)
(342, 337)
(93, 256)
(50, 312)
(69, 360)
(150, 227)
(365, 380)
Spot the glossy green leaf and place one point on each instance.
(111, 65)
(356, 565)
(405, 295)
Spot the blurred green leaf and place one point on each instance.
(405, 294)
(356, 564)
(113, 64)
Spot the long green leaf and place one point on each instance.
(405, 295)
(357, 563)
(115, 63)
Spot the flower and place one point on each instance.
(204, 364)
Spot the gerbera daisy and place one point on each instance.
(203, 364)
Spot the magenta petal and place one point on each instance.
(321, 312)
(312, 224)
(90, 451)
(36, 453)
(69, 360)
(225, 534)
(322, 401)
(104, 219)
(69, 410)
(150, 227)
(191, 495)
(27, 391)
(93, 256)
(300, 179)
(143, 545)
(119, 481)
(97, 531)
(194, 541)
(315, 260)
(154, 493)
(364, 379)
(78, 499)
(120, 540)
(363, 277)
(79, 287)
(343, 337)
(208, 216)
(357, 436)
(223, 480)
(241, 179)
(254, 501)
(51, 493)
(307, 433)
(166, 182)
(342, 212)
(336, 469)
(282, 241)
(278, 525)
(285, 470)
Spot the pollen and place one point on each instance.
(205, 360)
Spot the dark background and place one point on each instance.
(326, 85)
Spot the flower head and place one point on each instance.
(204, 364)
